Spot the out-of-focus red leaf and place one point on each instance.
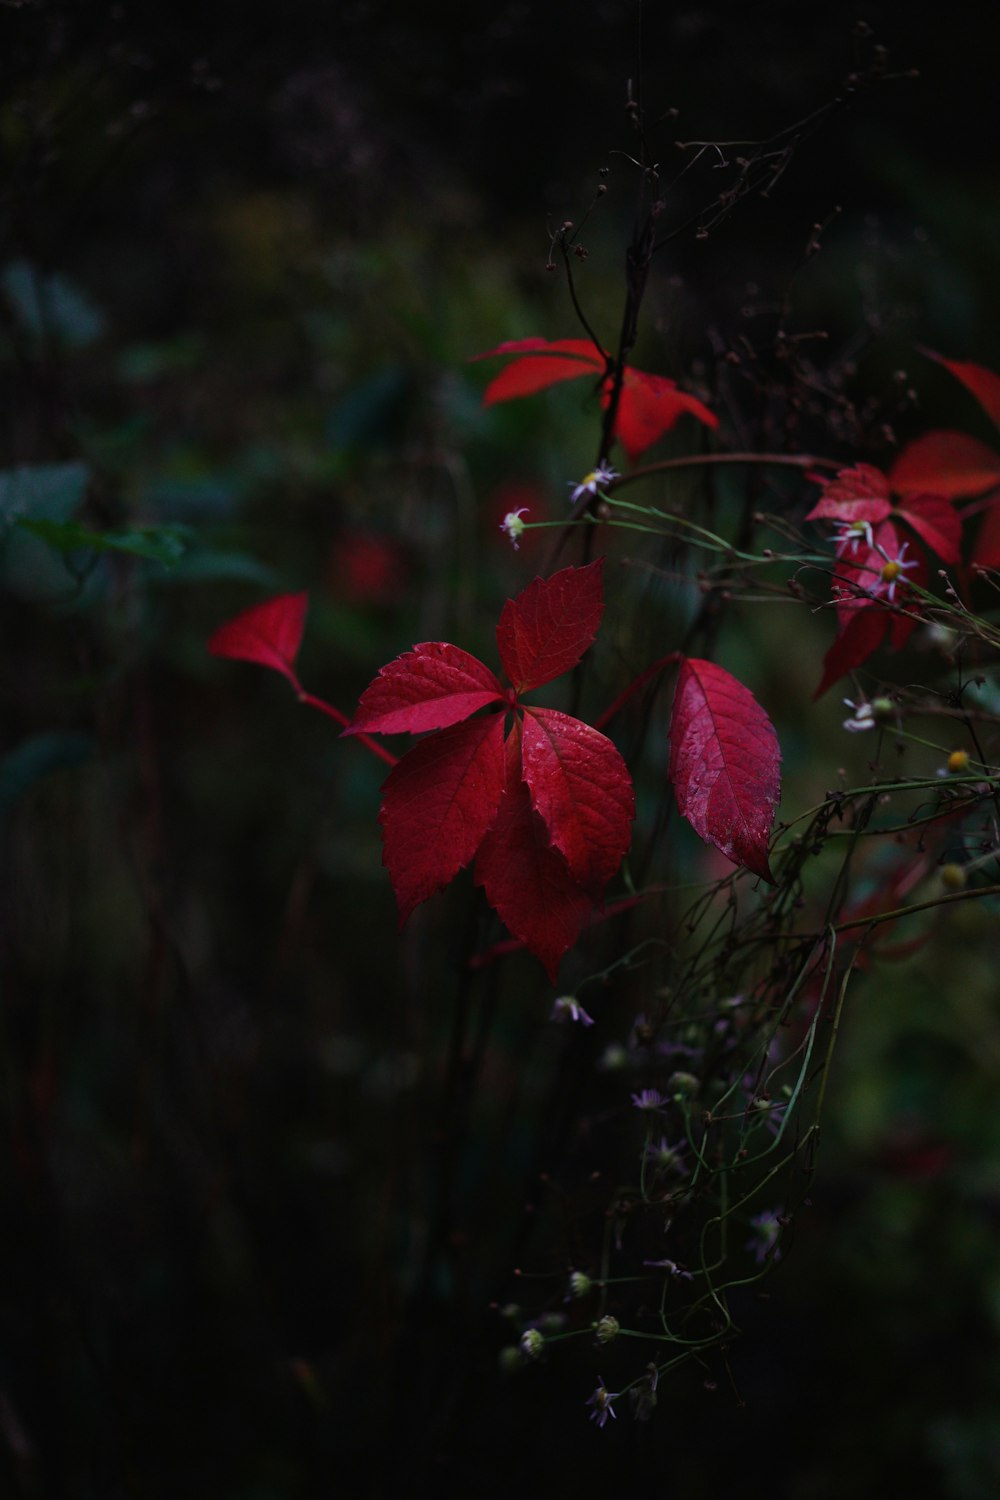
(983, 383)
(853, 512)
(986, 551)
(366, 568)
(855, 495)
(945, 463)
(725, 764)
(269, 634)
(860, 482)
(526, 881)
(863, 633)
(650, 405)
(545, 630)
(935, 522)
(575, 348)
(543, 364)
(581, 789)
(429, 687)
(437, 804)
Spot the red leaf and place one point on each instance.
(650, 405)
(581, 789)
(946, 463)
(436, 805)
(545, 630)
(935, 522)
(862, 482)
(545, 364)
(862, 634)
(983, 384)
(269, 634)
(858, 494)
(725, 764)
(429, 687)
(526, 881)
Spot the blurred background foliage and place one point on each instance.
(244, 260)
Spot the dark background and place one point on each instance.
(263, 246)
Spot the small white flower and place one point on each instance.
(591, 483)
(867, 715)
(513, 526)
(850, 533)
(863, 716)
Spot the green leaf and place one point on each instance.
(49, 306)
(38, 756)
(50, 492)
(162, 544)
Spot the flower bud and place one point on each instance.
(532, 1343)
(606, 1329)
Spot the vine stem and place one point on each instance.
(699, 460)
(344, 721)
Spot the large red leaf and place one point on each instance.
(269, 634)
(436, 805)
(650, 405)
(725, 764)
(935, 522)
(946, 463)
(526, 881)
(431, 686)
(581, 788)
(545, 630)
(983, 384)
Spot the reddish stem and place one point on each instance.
(634, 686)
(343, 721)
(700, 460)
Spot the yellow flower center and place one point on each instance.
(958, 761)
(891, 572)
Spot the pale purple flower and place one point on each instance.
(649, 1099)
(671, 1267)
(763, 1244)
(601, 1402)
(892, 573)
(664, 1156)
(568, 1008)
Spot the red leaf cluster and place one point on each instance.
(958, 466)
(877, 561)
(544, 809)
(649, 405)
